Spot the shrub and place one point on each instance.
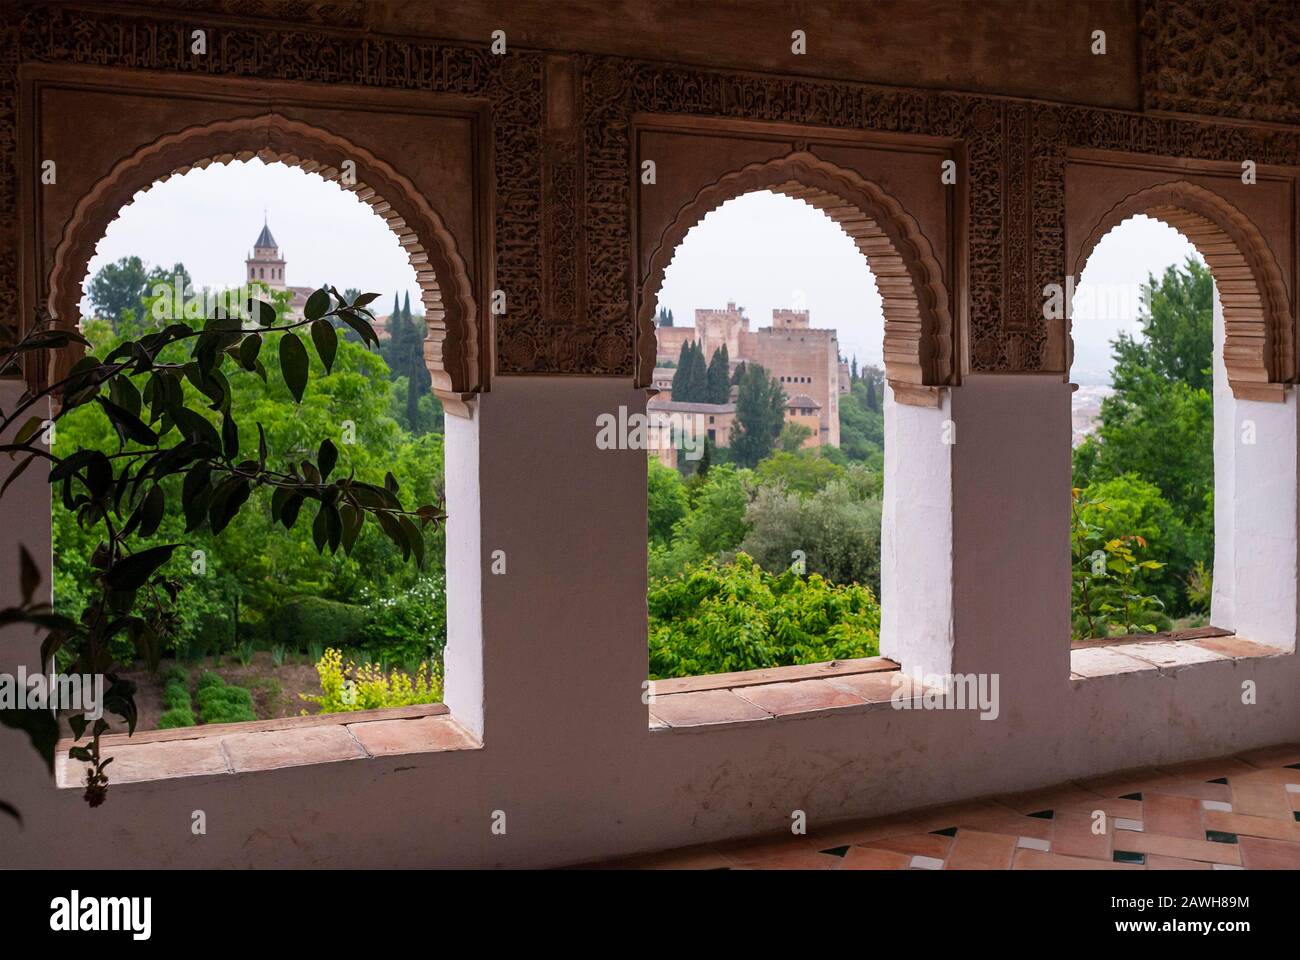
(1107, 579)
(1200, 587)
(346, 687)
(836, 530)
(220, 702)
(176, 674)
(176, 695)
(718, 618)
(176, 717)
(312, 620)
(411, 626)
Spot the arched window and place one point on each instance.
(260, 611)
(789, 482)
(1184, 462)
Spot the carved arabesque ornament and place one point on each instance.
(1259, 344)
(451, 347)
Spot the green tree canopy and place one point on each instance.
(760, 415)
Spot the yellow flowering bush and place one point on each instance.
(346, 686)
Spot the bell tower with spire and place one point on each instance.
(265, 265)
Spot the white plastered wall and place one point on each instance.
(916, 536)
(567, 754)
(1255, 543)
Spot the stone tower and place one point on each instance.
(265, 265)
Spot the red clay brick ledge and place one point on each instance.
(756, 695)
(271, 744)
(748, 696)
(1091, 659)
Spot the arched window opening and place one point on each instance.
(768, 435)
(1144, 363)
(1185, 471)
(266, 624)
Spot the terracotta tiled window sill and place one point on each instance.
(754, 696)
(234, 748)
(1091, 659)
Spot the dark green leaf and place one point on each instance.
(293, 364)
(131, 573)
(249, 348)
(327, 342)
(152, 510)
(230, 436)
(328, 456)
(127, 424)
(317, 304)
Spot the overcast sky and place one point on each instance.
(208, 220)
(762, 251)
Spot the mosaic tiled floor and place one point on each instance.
(1230, 813)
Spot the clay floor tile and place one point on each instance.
(1156, 861)
(1198, 789)
(1245, 825)
(1260, 799)
(977, 850)
(1018, 826)
(1258, 853)
(1188, 849)
(934, 845)
(1113, 807)
(705, 707)
(867, 858)
(1282, 775)
(270, 749)
(1038, 860)
(382, 738)
(1073, 836)
(799, 697)
(1173, 816)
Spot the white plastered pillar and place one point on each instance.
(975, 540)
(1255, 511)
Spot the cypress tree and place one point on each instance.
(683, 371)
(719, 376)
(698, 387)
(872, 404)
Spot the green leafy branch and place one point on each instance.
(164, 432)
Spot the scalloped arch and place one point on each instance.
(1259, 341)
(452, 344)
(919, 346)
